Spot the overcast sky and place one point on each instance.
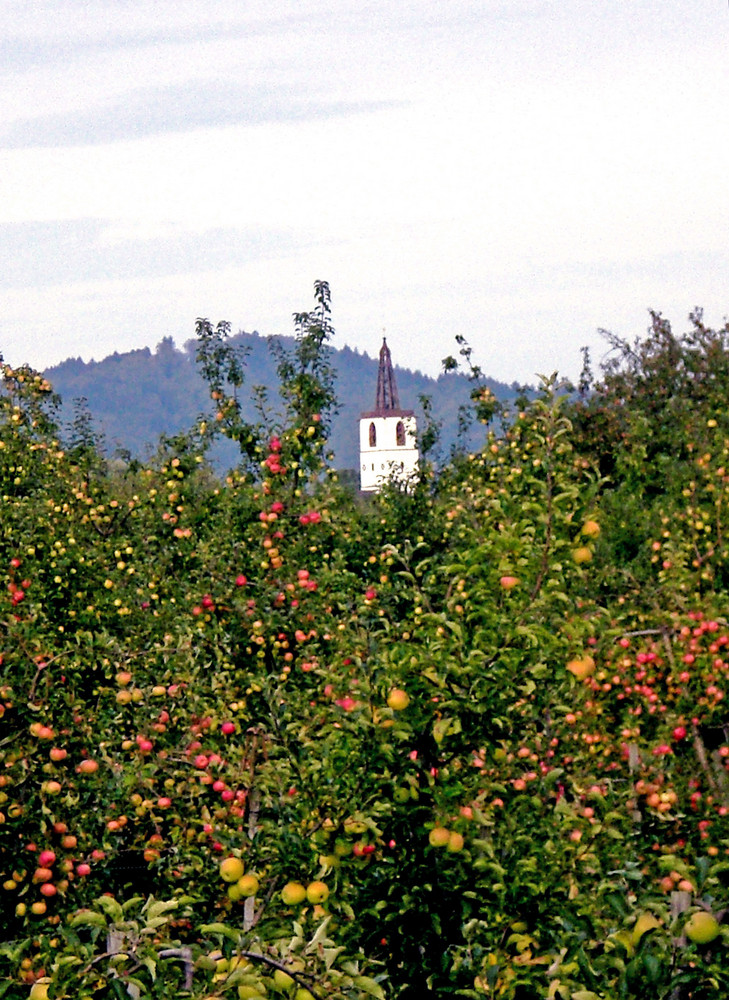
(521, 172)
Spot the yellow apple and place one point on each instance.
(246, 992)
(455, 842)
(231, 869)
(582, 554)
(582, 667)
(317, 892)
(702, 927)
(247, 885)
(293, 893)
(398, 699)
(439, 836)
(282, 980)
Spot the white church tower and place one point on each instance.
(387, 434)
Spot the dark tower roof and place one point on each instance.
(387, 403)
(386, 385)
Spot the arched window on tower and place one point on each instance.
(400, 434)
(373, 436)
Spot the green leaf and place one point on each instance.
(150, 964)
(184, 900)
(111, 907)
(653, 967)
(154, 923)
(131, 903)
(135, 988)
(221, 929)
(68, 960)
(618, 902)
(430, 674)
(160, 906)
(703, 864)
(319, 936)
(330, 956)
(455, 628)
(242, 976)
(442, 727)
(88, 918)
(671, 862)
(369, 986)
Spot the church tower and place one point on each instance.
(387, 434)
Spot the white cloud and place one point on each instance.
(492, 167)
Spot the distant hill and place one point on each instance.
(137, 396)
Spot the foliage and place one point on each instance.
(258, 738)
(137, 396)
(656, 425)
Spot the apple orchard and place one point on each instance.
(260, 736)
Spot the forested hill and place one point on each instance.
(137, 396)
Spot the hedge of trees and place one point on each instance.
(468, 737)
(139, 395)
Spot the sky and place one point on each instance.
(523, 173)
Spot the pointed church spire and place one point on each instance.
(388, 445)
(387, 398)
